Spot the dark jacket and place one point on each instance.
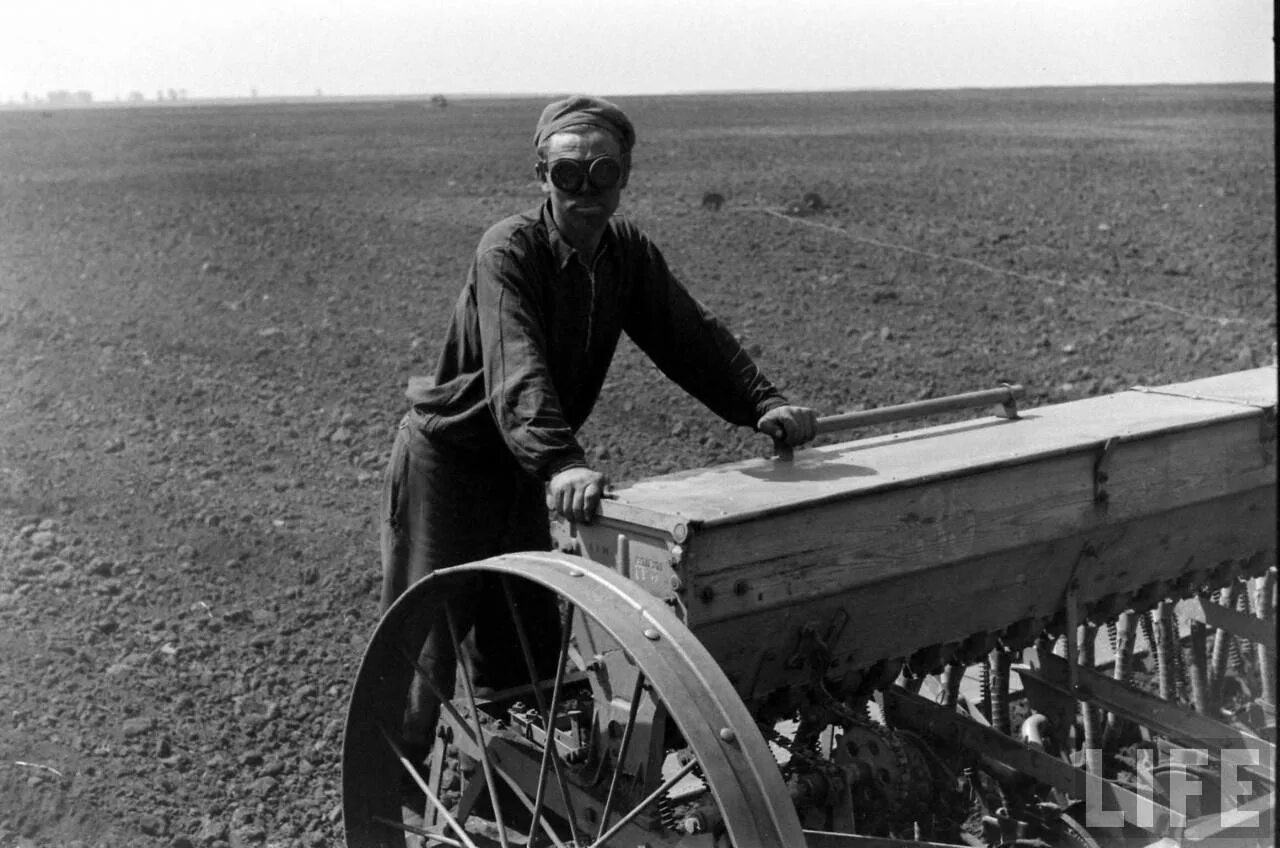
(534, 331)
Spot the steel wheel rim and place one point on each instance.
(737, 765)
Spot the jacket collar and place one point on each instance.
(560, 248)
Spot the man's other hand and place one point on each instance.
(575, 493)
(793, 425)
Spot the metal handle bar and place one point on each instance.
(1007, 396)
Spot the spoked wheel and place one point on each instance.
(647, 740)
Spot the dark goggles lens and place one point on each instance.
(603, 172)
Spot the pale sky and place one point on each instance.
(228, 48)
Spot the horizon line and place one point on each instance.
(11, 104)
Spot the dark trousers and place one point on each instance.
(441, 507)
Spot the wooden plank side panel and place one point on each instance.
(1186, 466)
(793, 557)
(790, 559)
(894, 617)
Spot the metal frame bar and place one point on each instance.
(1236, 623)
(903, 709)
(828, 839)
(1006, 396)
(1167, 719)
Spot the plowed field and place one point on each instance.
(208, 314)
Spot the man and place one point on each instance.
(489, 446)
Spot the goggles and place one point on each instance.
(572, 175)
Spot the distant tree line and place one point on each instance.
(65, 97)
(172, 95)
(62, 97)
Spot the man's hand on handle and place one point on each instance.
(792, 425)
(575, 493)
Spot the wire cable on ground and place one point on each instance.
(1032, 278)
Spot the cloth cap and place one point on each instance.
(583, 110)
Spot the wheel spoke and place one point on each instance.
(459, 723)
(653, 796)
(419, 831)
(566, 630)
(528, 805)
(622, 751)
(446, 704)
(548, 722)
(426, 790)
(485, 763)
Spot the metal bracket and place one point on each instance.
(783, 451)
(1009, 406)
(813, 650)
(836, 628)
(1073, 635)
(1074, 618)
(622, 555)
(1267, 435)
(1101, 464)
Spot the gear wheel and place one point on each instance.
(876, 754)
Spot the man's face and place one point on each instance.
(587, 210)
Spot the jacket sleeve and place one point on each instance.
(691, 346)
(521, 397)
